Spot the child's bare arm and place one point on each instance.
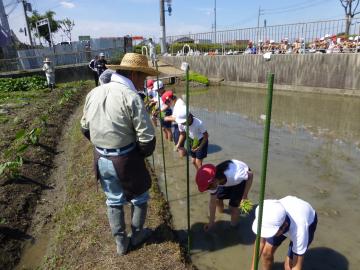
(212, 209)
(248, 185)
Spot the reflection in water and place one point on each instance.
(336, 117)
(311, 155)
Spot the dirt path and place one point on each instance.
(70, 228)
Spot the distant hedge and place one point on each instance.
(22, 84)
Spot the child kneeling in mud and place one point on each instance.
(232, 180)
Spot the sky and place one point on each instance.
(109, 18)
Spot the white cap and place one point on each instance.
(181, 117)
(272, 41)
(274, 215)
(327, 36)
(101, 54)
(260, 41)
(322, 38)
(356, 38)
(267, 56)
(351, 38)
(158, 85)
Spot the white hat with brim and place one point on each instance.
(135, 62)
(47, 60)
(158, 85)
(274, 215)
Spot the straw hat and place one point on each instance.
(47, 60)
(135, 62)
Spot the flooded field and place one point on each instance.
(314, 154)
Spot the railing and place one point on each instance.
(303, 37)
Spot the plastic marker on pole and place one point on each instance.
(264, 162)
(185, 67)
(161, 127)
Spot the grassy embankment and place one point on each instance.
(83, 239)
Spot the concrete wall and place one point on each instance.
(338, 73)
(62, 74)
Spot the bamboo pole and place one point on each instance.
(187, 161)
(161, 132)
(264, 165)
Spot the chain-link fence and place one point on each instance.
(321, 36)
(62, 55)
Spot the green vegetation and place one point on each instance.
(196, 77)
(11, 162)
(246, 206)
(175, 47)
(195, 143)
(137, 49)
(22, 84)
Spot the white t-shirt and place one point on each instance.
(178, 107)
(196, 129)
(236, 172)
(301, 216)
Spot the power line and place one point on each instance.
(295, 8)
(291, 6)
(15, 4)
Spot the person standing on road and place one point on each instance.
(116, 123)
(93, 69)
(289, 216)
(100, 64)
(152, 51)
(49, 69)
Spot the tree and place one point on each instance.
(350, 7)
(44, 29)
(67, 26)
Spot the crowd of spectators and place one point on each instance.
(326, 44)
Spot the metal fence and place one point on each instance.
(62, 55)
(307, 34)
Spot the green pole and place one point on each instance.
(162, 136)
(264, 165)
(187, 162)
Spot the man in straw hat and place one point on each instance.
(288, 217)
(49, 72)
(116, 122)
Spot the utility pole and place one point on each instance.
(215, 22)
(3, 18)
(261, 12)
(25, 4)
(162, 26)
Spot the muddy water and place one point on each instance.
(314, 154)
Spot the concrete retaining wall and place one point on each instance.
(62, 74)
(335, 73)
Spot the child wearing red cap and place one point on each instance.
(232, 180)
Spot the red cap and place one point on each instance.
(150, 84)
(205, 176)
(167, 95)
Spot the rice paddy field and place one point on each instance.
(314, 154)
